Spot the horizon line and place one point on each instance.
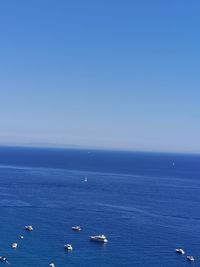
(96, 148)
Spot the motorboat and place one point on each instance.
(76, 228)
(99, 238)
(180, 251)
(190, 258)
(14, 245)
(29, 227)
(68, 247)
(21, 236)
(52, 265)
(4, 259)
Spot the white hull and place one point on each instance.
(100, 239)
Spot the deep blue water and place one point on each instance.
(147, 204)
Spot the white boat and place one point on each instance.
(76, 228)
(190, 258)
(99, 238)
(68, 247)
(52, 265)
(21, 237)
(14, 245)
(4, 259)
(86, 179)
(29, 227)
(180, 251)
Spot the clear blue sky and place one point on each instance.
(119, 74)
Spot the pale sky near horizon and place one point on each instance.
(103, 74)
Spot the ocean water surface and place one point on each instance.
(147, 204)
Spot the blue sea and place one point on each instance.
(147, 204)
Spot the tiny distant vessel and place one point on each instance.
(21, 236)
(52, 265)
(68, 247)
(190, 258)
(99, 238)
(14, 245)
(29, 227)
(76, 228)
(85, 180)
(180, 251)
(4, 259)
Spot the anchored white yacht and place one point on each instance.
(76, 228)
(99, 238)
(180, 251)
(190, 258)
(68, 247)
(14, 245)
(4, 259)
(29, 227)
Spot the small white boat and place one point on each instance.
(76, 228)
(21, 236)
(29, 227)
(14, 245)
(99, 238)
(4, 259)
(52, 265)
(190, 258)
(180, 251)
(86, 179)
(68, 247)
